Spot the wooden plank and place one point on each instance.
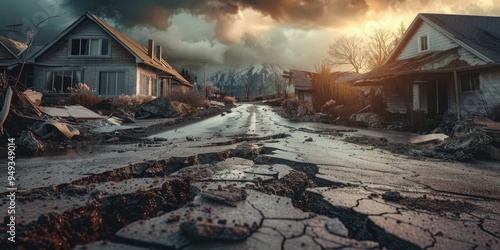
(78, 112)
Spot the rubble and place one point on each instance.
(29, 144)
(428, 139)
(371, 119)
(160, 107)
(105, 107)
(49, 127)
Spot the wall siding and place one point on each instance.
(473, 102)
(437, 42)
(58, 54)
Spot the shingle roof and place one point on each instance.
(139, 50)
(481, 33)
(432, 62)
(301, 80)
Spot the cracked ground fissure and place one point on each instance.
(91, 221)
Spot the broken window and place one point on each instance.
(469, 82)
(61, 81)
(423, 43)
(89, 47)
(112, 83)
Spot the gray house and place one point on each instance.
(302, 86)
(91, 51)
(443, 64)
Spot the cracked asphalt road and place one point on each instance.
(383, 200)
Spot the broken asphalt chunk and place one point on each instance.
(227, 197)
(203, 231)
(392, 196)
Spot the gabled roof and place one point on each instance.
(14, 47)
(301, 79)
(128, 43)
(478, 34)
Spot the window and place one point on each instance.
(147, 85)
(469, 82)
(89, 47)
(61, 81)
(423, 43)
(112, 83)
(397, 88)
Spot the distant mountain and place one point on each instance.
(256, 79)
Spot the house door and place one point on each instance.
(437, 93)
(442, 96)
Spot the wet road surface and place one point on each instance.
(256, 190)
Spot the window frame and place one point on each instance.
(427, 42)
(108, 71)
(74, 78)
(100, 47)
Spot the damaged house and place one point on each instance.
(91, 51)
(302, 86)
(443, 64)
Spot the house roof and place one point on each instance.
(442, 60)
(14, 47)
(128, 43)
(478, 34)
(481, 33)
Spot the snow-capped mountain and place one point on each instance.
(256, 79)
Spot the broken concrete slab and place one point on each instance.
(203, 231)
(165, 230)
(288, 228)
(335, 226)
(76, 111)
(228, 197)
(265, 238)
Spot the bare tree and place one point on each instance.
(248, 84)
(280, 86)
(379, 45)
(400, 32)
(348, 50)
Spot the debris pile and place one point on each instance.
(470, 138)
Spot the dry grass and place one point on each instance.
(229, 99)
(85, 99)
(341, 97)
(131, 103)
(188, 97)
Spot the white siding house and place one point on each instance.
(443, 64)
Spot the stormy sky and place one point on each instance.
(293, 33)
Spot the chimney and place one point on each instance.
(151, 47)
(159, 52)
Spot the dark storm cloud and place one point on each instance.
(157, 13)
